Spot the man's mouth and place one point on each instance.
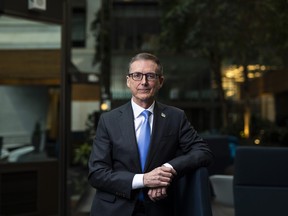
(144, 90)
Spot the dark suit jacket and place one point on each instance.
(115, 160)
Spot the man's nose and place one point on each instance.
(144, 79)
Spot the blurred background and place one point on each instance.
(63, 63)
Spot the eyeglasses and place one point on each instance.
(137, 76)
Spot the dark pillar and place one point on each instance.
(65, 109)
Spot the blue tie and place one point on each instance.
(144, 138)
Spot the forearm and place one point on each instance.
(138, 180)
(189, 162)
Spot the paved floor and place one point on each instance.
(220, 210)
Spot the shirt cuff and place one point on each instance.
(168, 165)
(138, 181)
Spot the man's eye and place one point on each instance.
(151, 76)
(137, 75)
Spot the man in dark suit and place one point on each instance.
(123, 188)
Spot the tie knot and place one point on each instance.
(146, 113)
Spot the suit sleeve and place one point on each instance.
(193, 150)
(101, 173)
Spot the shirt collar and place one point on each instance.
(137, 110)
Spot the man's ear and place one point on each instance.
(127, 81)
(161, 81)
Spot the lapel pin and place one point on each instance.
(163, 115)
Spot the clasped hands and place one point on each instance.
(158, 180)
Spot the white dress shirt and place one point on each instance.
(138, 120)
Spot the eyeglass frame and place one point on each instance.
(151, 74)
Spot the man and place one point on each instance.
(128, 183)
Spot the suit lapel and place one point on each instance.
(157, 133)
(126, 125)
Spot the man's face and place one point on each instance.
(143, 91)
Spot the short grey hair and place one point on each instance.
(147, 56)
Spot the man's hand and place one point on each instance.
(159, 177)
(157, 193)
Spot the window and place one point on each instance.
(78, 27)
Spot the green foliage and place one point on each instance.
(82, 154)
(101, 28)
(91, 123)
(196, 25)
(238, 30)
(96, 30)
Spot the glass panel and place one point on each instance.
(29, 115)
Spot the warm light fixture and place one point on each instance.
(246, 124)
(105, 105)
(257, 141)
